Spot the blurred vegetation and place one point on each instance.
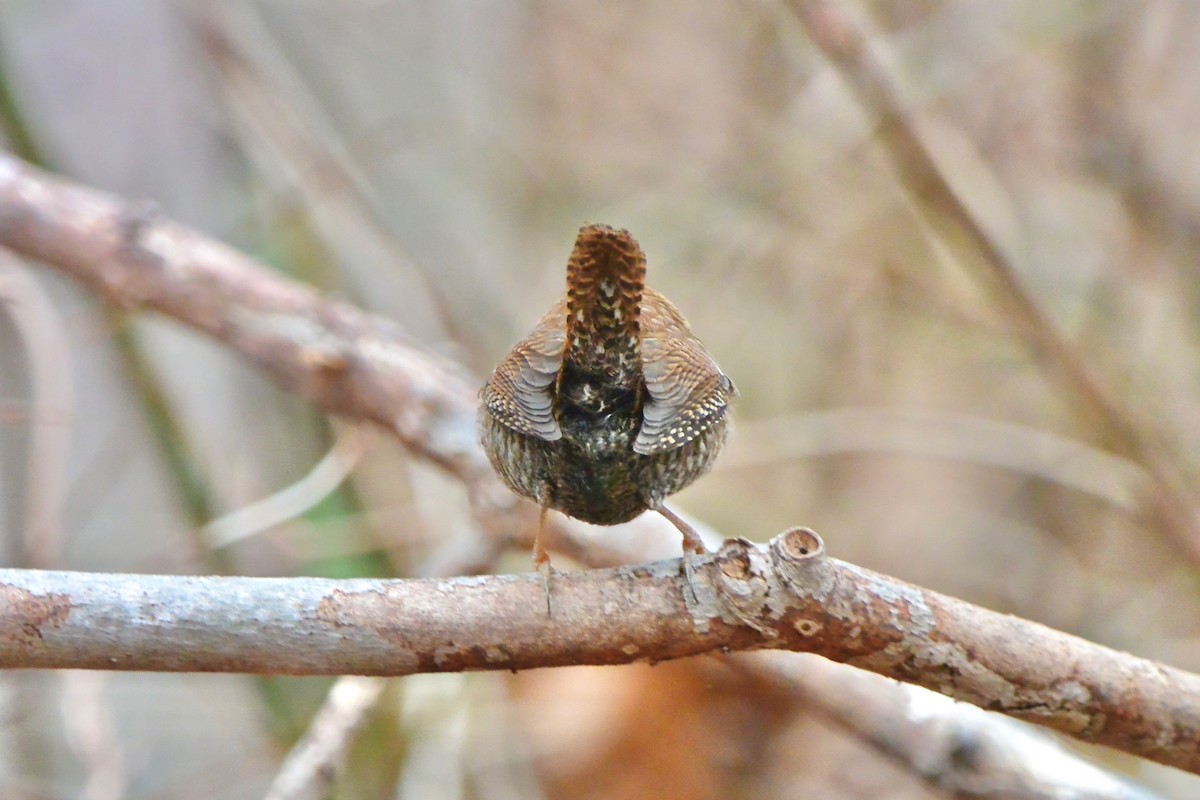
(432, 162)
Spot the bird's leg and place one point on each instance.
(541, 559)
(693, 546)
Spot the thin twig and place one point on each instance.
(944, 210)
(294, 499)
(49, 358)
(92, 733)
(936, 434)
(288, 129)
(195, 493)
(310, 767)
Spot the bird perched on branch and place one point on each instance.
(611, 404)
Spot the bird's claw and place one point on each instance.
(690, 557)
(545, 570)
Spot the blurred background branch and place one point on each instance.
(968, 754)
(430, 162)
(975, 249)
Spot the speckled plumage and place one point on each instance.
(611, 404)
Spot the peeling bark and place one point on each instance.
(786, 595)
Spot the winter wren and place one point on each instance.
(610, 404)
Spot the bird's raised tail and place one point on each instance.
(606, 276)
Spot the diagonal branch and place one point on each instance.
(954, 747)
(787, 596)
(340, 358)
(1168, 501)
(311, 766)
(344, 360)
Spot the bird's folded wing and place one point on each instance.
(687, 391)
(519, 394)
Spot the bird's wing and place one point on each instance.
(519, 394)
(687, 391)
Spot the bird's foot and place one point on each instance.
(693, 550)
(545, 570)
(690, 558)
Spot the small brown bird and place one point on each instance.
(610, 404)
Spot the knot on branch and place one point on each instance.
(796, 553)
(752, 586)
(133, 220)
(742, 584)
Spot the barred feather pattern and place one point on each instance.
(604, 490)
(606, 275)
(611, 404)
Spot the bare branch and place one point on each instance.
(91, 732)
(293, 500)
(857, 60)
(786, 596)
(42, 332)
(340, 358)
(313, 763)
(953, 746)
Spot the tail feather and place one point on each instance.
(606, 276)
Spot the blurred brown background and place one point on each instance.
(432, 161)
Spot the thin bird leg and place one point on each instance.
(693, 546)
(541, 559)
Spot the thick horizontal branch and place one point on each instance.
(787, 595)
